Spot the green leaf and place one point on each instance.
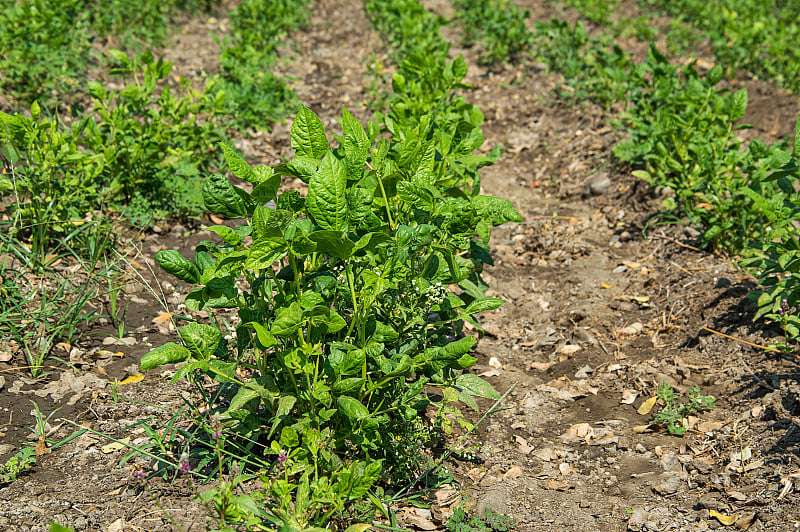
(202, 340)
(327, 195)
(228, 235)
(352, 408)
(269, 223)
(263, 388)
(739, 105)
(221, 197)
(238, 165)
(176, 264)
(482, 305)
(308, 135)
(288, 320)
(334, 243)
(356, 145)
(168, 353)
(285, 404)
(327, 319)
(714, 75)
(474, 385)
(796, 143)
(55, 527)
(349, 385)
(264, 253)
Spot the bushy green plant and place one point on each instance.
(756, 35)
(345, 312)
(490, 521)
(500, 24)
(682, 138)
(154, 146)
(777, 257)
(44, 48)
(593, 67)
(48, 180)
(145, 21)
(409, 28)
(255, 96)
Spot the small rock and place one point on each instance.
(670, 483)
(637, 520)
(584, 372)
(640, 448)
(598, 185)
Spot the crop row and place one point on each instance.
(681, 137)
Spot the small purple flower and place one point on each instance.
(282, 457)
(216, 434)
(784, 307)
(139, 475)
(184, 466)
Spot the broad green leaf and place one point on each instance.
(269, 223)
(334, 243)
(300, 167)
(327, 195)
(739, 105)
(264, 253)
(308, 135)
(285, 404)
(796, 143)
(222, 371)
(262, 387)
(221, 197)
(476, 386)
(356, 145)
(228, 235)
(482, 305)
(288, 320)
(169, 353)
(714, 75)
(349, 385)
(494, 210)
(176, 264)
(238, 166)
(262, 333)
(301, 245)
(202, 340)
(352, 408)
(267, 190)
(327, 319)
(289, 437)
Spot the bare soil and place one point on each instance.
(600, 309)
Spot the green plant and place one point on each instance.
(489, 521)
(776, 263)
(757, 35)
(255, 96)
(673, 413)
(682, 137)
(409, 28)
(499, 23)
(47, 181)
(140, 21)
(344, 307)
(18, 464)
(593, 67)
(153, 148)
(44, 47)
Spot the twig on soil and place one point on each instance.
(675, 241)
(764, 347)
(758, 379)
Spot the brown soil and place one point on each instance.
(598, 313)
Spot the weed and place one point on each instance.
(18, 464)
(674, 413)
(489, 521)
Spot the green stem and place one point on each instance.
(385, 202)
